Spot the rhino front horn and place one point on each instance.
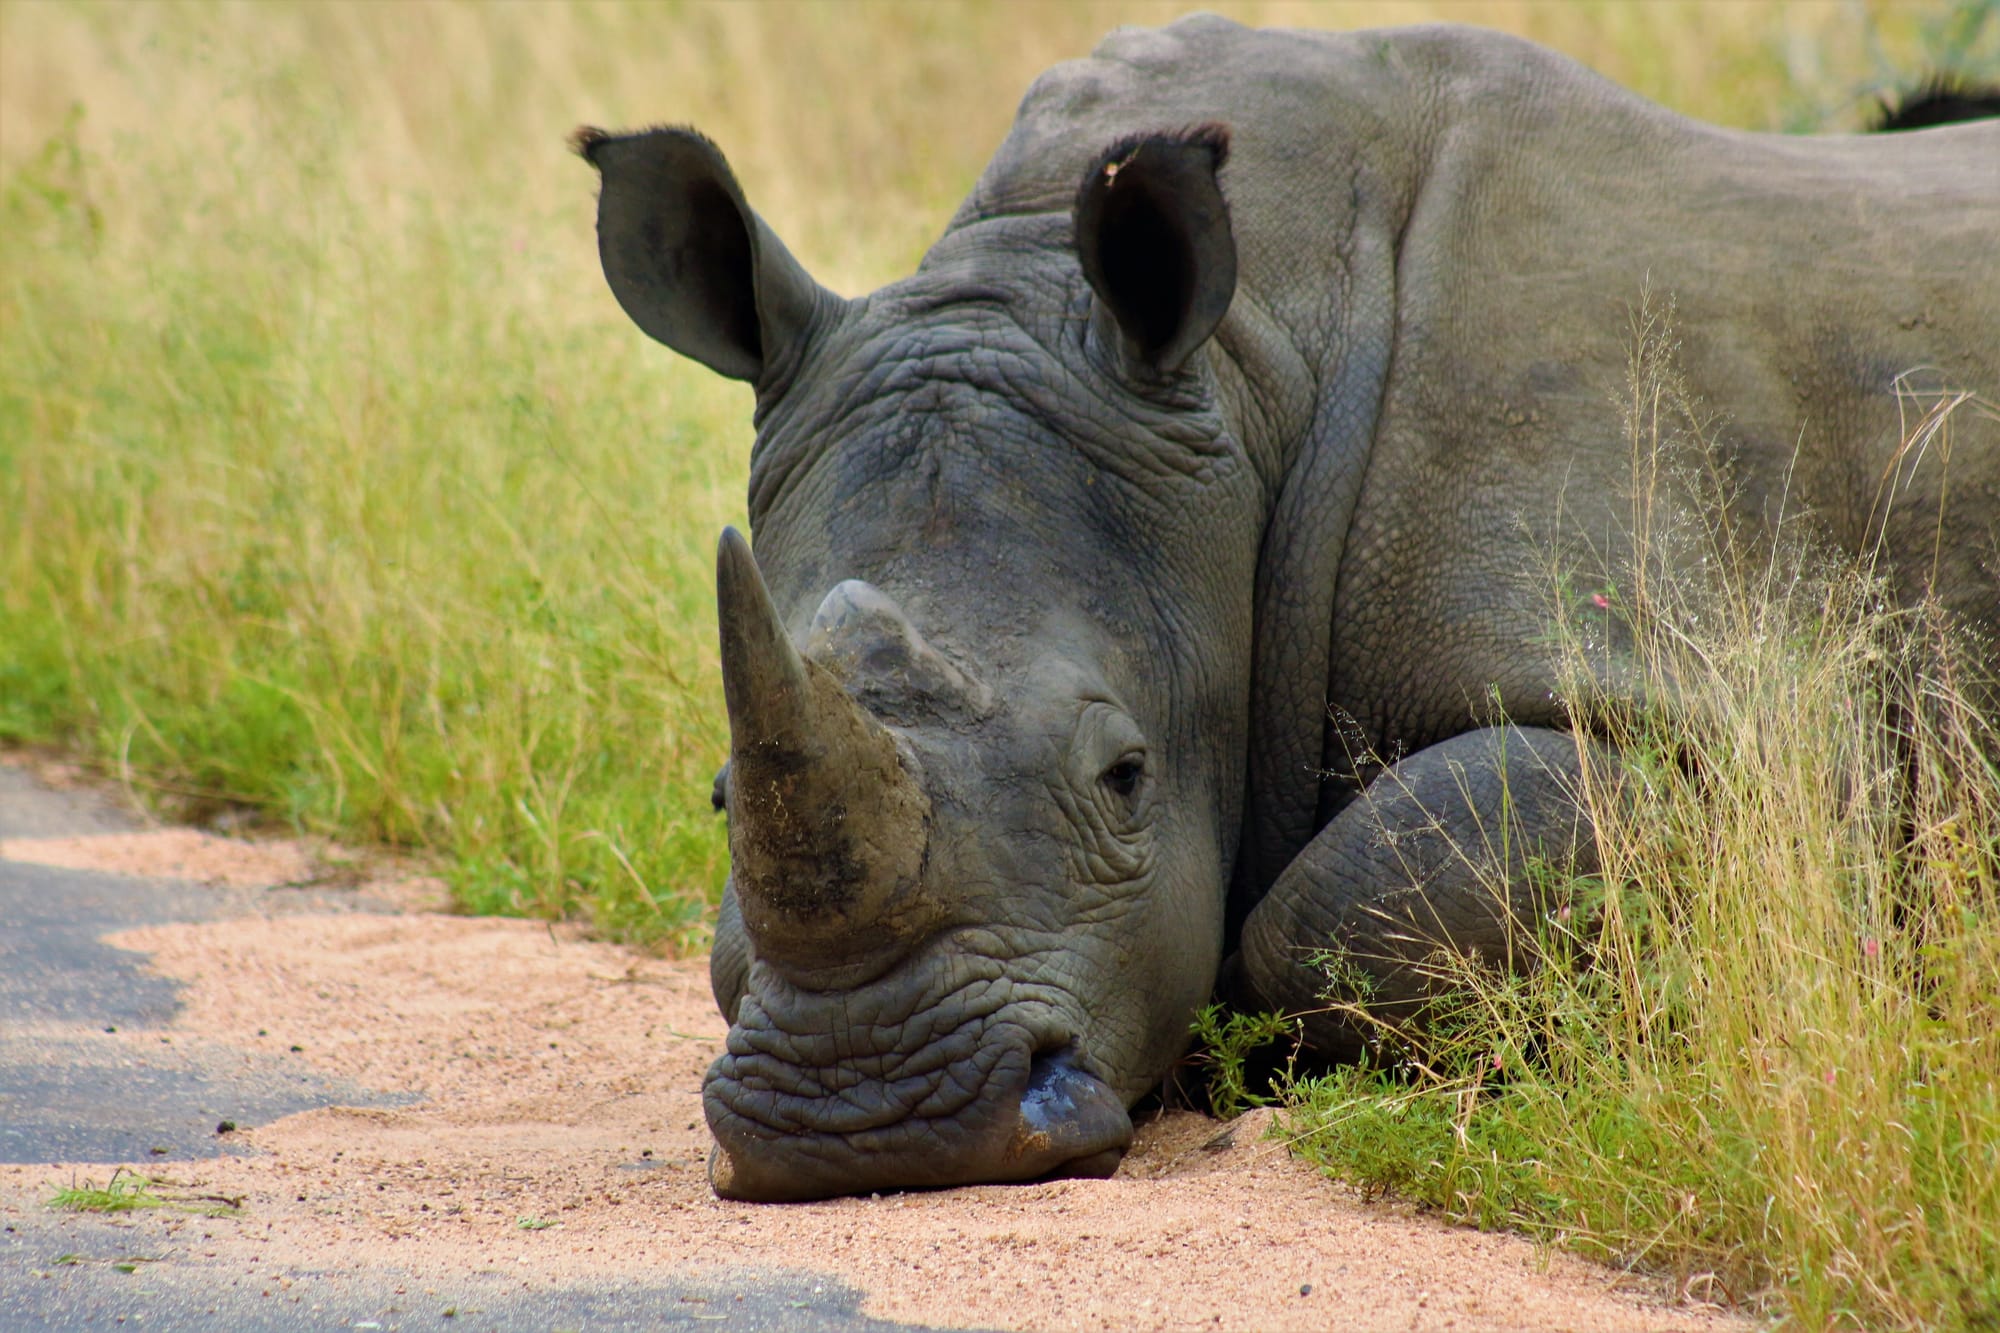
(827, 821)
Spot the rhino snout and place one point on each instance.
(1065, 1123)
(928, 1103)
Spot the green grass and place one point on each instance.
(1763, 1053)
(368, 554)
(1225, 1044)
(127, 1191)
(327, 517)
(124, 1192)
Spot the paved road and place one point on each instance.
(67, 1094)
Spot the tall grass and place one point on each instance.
(305, 516)
(334, 485)
(1764, 1049)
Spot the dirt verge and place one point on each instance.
(560, 1139)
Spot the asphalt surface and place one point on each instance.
(70, 1095)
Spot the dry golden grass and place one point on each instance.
(855, 125)
(1766, 1053)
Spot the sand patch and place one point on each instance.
(561, 1139)
(230, 863)
(186, 854)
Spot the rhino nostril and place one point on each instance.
(1070, 1120)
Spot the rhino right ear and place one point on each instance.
(685, 256)
(1153, 236)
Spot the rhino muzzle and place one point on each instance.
(1035, 1118)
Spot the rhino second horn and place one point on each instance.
(863, 637)
(827, 821)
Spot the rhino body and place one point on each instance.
(1238, 398)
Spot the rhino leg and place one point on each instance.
(1434, 855)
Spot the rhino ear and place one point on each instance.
(685, 256)
(1152, 230)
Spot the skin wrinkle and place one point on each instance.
(925, 1063)
(789, 360)
(1332, 743)
(1306, 542)
(1185, 667)
(815, 1108)
(832, 1118)
(1259, 371)
(1108, 856)
(989, 352)
(923, 1001)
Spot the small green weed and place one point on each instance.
(1224, 1043)
(125, 1264)
(127, 1191)
(123, 1193)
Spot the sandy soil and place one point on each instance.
(560, 1138)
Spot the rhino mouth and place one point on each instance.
(848, 1104)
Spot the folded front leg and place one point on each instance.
(1433, 856)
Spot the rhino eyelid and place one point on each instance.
(1122, 777)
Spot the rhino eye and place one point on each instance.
(1122, 778)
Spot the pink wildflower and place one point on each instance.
(1600, 601)
(1872, 947)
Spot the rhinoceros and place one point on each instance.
(1210, 443)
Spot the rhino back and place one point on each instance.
(1824, 292)
(1444, 237)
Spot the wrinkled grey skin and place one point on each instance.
(1070, 547)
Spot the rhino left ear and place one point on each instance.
(687, 258)
(1152, 231)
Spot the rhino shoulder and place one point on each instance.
(1202, 69)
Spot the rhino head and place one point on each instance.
(986, 674)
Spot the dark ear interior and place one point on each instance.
(685, 256)
(1152, 232)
